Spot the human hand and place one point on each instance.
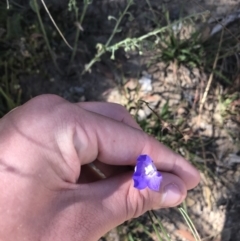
(48, 192)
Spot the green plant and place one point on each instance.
(137, 43)
(10, 92)
(73, 6)
(190, 224)
(35, 7)
(101, 49)
(188, 51)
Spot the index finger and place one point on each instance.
(116, 143)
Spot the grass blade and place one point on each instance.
(190, 224)
(155, 227)
(164, 231)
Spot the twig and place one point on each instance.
(54, 23)
(227, 20)
(7, 2)
(219, 22)
(159, 117)
(210, 77)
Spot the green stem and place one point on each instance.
(190, 224)
(86, 3)
(130, 2)
(130, 237)
(154, 15)
(161, 226)
(6, 79)
(93, 61)
(45, 35)
(154, 227)
(150, 34)
(10, 103)
(132, 41)
(100, 53)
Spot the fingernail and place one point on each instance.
(171, 195)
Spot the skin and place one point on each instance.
(47, 190)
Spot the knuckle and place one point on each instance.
(43, 101)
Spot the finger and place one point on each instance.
(76, 137)
(116, 143)
(172, 192)
(115, 200)
(118, 113)
(111, 110)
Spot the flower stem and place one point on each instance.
(100, 53)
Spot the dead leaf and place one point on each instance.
(185, 234)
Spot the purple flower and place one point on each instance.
(146, 174)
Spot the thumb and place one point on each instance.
(116, 200)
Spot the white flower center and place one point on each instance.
(149, 170)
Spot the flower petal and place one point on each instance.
(154, 182)
(146, 174)
(140, 182)
(142, 162)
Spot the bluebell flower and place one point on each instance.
(146, 174)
